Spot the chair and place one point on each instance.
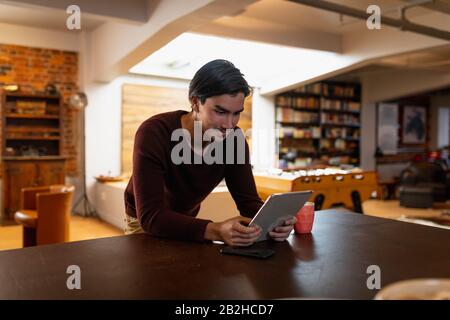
(45, 214)
(422, 183)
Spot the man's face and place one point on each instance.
(221, 112)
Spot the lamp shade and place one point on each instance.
(78, 100)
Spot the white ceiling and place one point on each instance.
(433, 59)
(273, 12)
(183, 56)
(47, 18)
(284, 12)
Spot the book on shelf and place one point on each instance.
(336, 145)
(339, 90)
(336, 118)
(292, 115)
(314, 88)
(294, 132)
(345, 133)
(286, 101)
(340, 105)
(307, 103)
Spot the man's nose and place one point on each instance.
(228, 123)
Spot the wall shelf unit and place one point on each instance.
(319, 123)
(32, 144)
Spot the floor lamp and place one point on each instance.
(79, 102)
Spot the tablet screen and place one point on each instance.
(278, 208)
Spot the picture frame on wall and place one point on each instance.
(387, 131)
(414, 125)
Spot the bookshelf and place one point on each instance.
(319, 123)
(31, 125)
(32, 144)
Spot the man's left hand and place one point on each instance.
(282, 232)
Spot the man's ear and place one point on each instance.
(195, 103)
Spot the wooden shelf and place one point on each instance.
(319, 153)
(314, 110)
(298, 124)
(401, 157)
(348, 125)
(354, 99)
(341, 111)
(338, 138)
(297, 138)
(338, 153)
(32, 138)
(316, 95)
(31, 96)
(31, 116)
(305, 94)
(17, 129)
(307, 154)
(28, 158)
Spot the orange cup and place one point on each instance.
(305, 218)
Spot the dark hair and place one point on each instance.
(215, 78)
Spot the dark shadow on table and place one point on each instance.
(277, 277)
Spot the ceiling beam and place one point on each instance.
(134, 12)
(247, 28)
(436, 5)
(402, 24)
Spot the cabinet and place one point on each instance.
(27, 172)
(320, 122)
(32, 142)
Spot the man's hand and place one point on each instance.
(281, 233)
(234, 232)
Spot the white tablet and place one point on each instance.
(278, 208)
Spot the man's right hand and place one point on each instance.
(234, 232)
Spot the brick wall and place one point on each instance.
(32, 69)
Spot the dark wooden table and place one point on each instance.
(329, 263)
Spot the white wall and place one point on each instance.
(263, 130)
(440, 127)
(380, 87)
(367, 144)
(40, 38)
(443, 125)
(103, 124)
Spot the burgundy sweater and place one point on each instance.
(166, 197)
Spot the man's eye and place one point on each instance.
(220, 112)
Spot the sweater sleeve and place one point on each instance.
(241, 184)
(149, 157)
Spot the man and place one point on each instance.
(164, 195)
